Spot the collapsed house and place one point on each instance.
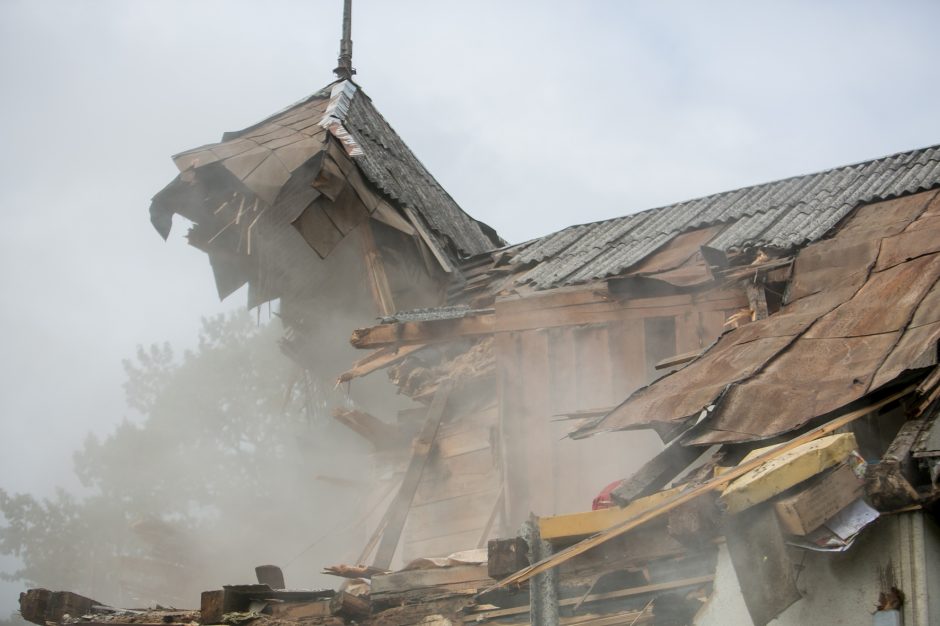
(717, 411)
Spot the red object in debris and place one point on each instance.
(603, 499)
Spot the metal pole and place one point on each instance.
(344, 69)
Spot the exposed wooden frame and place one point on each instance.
(510, 316)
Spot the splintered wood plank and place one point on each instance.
(381, 358)
(577, 525)
(402, 503)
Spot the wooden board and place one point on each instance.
(577, 525)
(784, 471)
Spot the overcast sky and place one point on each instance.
(534, 115)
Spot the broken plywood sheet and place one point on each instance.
(785, 471)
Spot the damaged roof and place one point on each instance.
(783, 214)
(862, 308)
(262, 159)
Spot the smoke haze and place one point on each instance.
(534, 115)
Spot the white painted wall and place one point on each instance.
(843, 588)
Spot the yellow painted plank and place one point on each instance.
(575, 525)
(784, 471)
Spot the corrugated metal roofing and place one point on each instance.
(781, 214)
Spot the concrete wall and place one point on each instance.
(843, 588)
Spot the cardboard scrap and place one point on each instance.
(807, 510)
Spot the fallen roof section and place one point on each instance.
(262, 158)
(863, 307)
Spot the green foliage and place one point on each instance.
(214, 472)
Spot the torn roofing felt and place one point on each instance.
(273, 163)
(783, 214)
(863, 307)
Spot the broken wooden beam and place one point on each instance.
(381, 358)
(398, 509)
(380, 434)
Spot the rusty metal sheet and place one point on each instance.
(885, 303)
(924, 238)
(884, 219)
(810, 378)
(822, 266)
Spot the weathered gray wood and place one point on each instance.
(398, 510)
